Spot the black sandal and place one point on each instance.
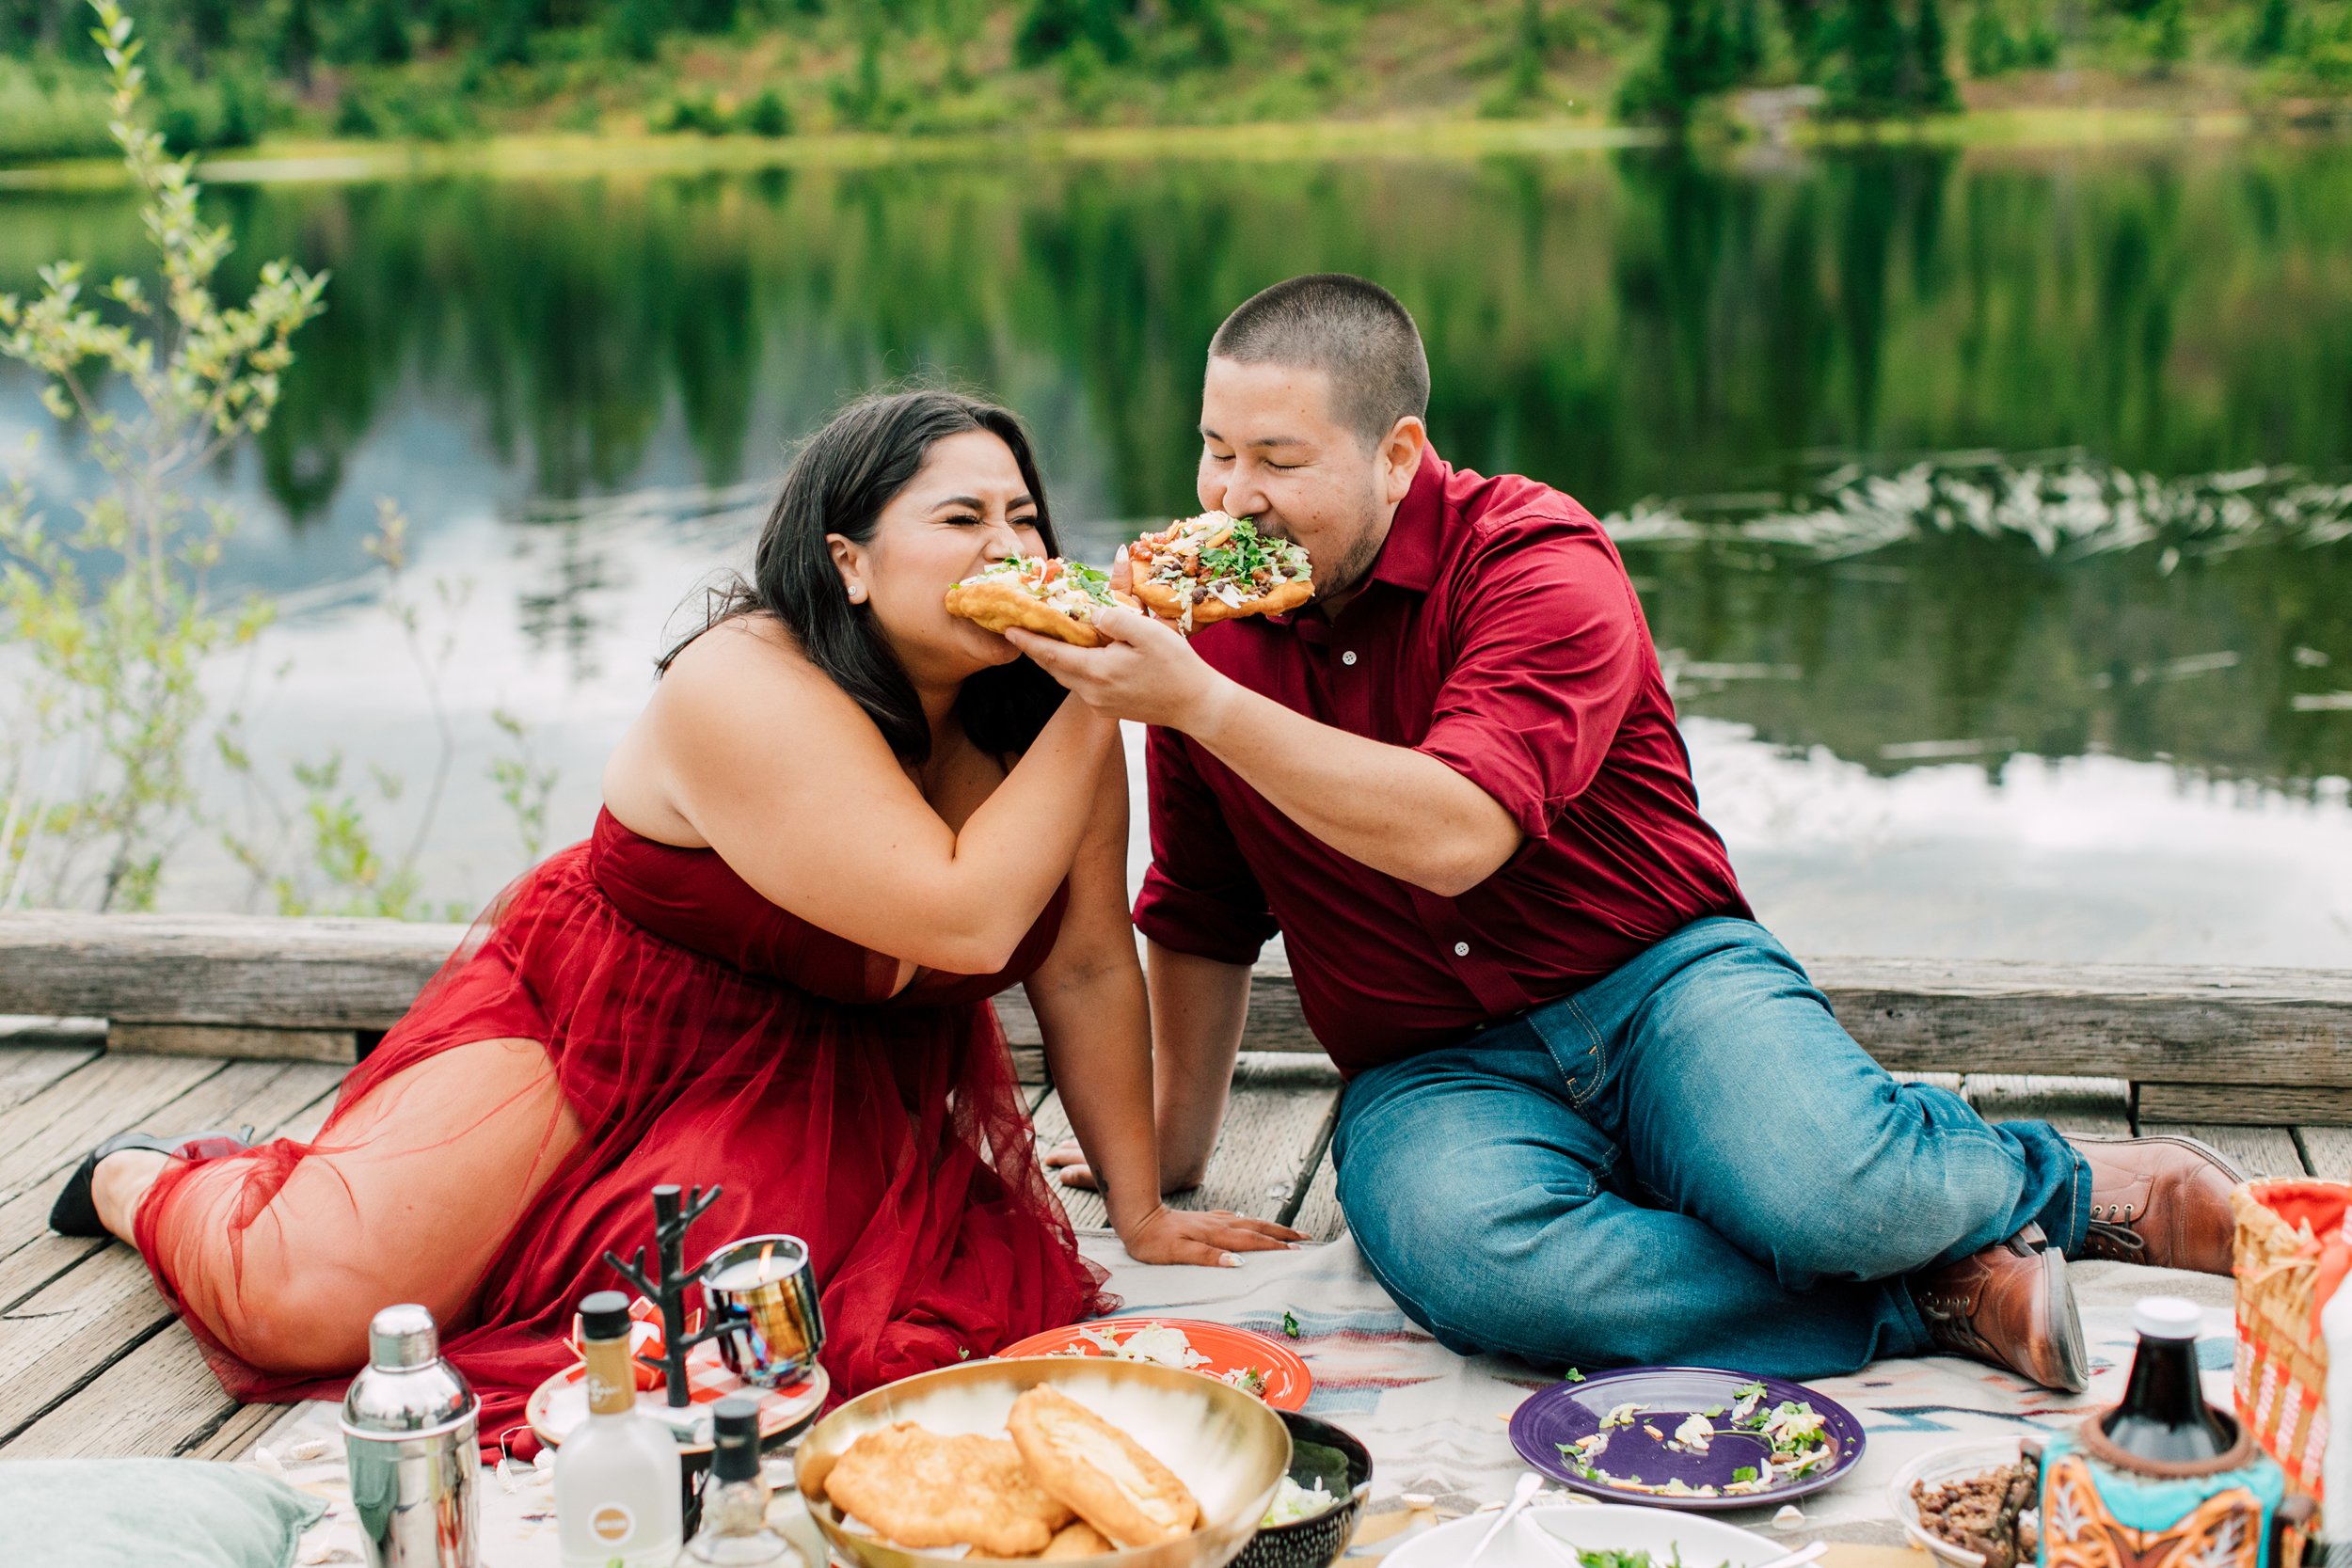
(75, 1212)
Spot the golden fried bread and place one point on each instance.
(1077, 1540)
(998, 605)
(1106, 1476)
(1167, 603)
(922, 1489)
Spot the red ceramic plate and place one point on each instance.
(1229, 1351)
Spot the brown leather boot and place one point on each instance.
(2164, 1201)
(2009, 1303)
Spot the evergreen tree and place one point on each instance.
(1933, 88)
(1803, 23)
(383, 37)
(707, 16)
(636, 28)
(1747, 41)
(2167, 42)
(1213, 40)
(208, 22)
(507, 41)
(1990, 49)
(1869, 86)
(2272, 29)
(297, 43)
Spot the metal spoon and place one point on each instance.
(1529, 1484)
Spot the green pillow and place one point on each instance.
(149, 1514)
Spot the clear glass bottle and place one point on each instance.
(2164, 1415)
(617, 1496)
(734, 1533)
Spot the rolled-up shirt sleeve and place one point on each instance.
(1198, 895)
(1553, 656)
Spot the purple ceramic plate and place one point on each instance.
(1666, 1395)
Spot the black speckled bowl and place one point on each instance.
(1315, 1543)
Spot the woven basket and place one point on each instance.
(2281, 1373)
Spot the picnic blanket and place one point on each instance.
(1436, 1423)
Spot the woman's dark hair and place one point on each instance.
(843, 477)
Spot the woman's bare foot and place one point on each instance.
(120, 1181)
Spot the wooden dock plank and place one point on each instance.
(79, 1304)
(2327, 1151)
(2149, 1023)
(84, 1107)
(1271, 1124)
(1319, 1214)
(27, 1069)
(263, 1093)
(2247, 1104)
(158, 1400)
(243, 969)
(2261, 1150)
(246, 1426)
(2099, 1105)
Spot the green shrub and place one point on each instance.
(1990, 49)
(357, 114)
(767, 115)
(61, 117)
(694, 111)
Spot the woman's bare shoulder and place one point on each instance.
(742, 701)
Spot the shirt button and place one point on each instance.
(1348, 657)
(1461, 949)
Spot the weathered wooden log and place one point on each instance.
(2274, 1028)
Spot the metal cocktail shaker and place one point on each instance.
(408, 1427)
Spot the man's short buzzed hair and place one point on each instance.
(1351, 329)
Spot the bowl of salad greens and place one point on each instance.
(1316, 1507)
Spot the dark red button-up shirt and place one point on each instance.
(1500, 634)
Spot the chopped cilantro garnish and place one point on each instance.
(1745, 1472)
(1575, 1376)
(1290, 1325)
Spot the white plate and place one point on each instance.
(1610, 1526)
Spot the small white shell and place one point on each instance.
(1790, 1517)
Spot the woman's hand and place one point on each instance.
(1164, 1235)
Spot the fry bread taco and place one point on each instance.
(1106, 1477)
(1214, 568)
(1053, 597)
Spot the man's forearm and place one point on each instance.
(1198, 1007)
(1395, 809)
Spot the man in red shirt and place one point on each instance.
(1594, 1113)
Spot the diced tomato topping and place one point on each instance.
(1053, 570)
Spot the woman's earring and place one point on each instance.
(857, 592)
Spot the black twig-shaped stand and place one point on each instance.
(667, 1289)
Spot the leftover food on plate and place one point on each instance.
(1794, 1441)
(1636, 1557)
(1991, 1514)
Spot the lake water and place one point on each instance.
(1993, 512)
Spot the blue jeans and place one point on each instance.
(1688, 1161)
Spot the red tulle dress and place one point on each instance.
(696, 1034)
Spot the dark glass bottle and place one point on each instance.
(2164, 1415)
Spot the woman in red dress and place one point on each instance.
(845, 819)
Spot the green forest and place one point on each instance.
(230, 73)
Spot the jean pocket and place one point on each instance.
(1576, 1048)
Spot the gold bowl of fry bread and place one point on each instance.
(1084, 1461)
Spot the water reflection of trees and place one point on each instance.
(1638, 325)
(2180, 622)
